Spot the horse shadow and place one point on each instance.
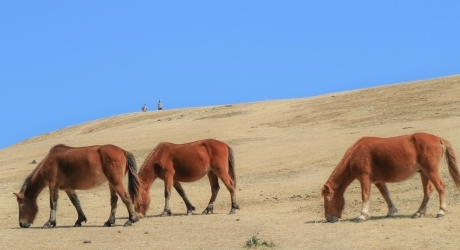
(355, 220)
(65, 226)
(176, 215)
(83, 225)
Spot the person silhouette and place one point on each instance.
(160, 105)
(144, 108)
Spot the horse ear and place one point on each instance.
(326, 192)
(19, 196)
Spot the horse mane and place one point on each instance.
(343, 164)
(31, 175)
(29, 178)
(150, 156)
(57, 146)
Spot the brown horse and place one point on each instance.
(381, 160)
(68, 168)
(175, 163)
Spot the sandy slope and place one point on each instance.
(284, 149)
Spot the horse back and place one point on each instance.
(111, 152)
(192, 160)
(397, 158)
(83, 167)
(203, 150)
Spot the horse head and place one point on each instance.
(141, 204)
(27, 210)
(334, 203)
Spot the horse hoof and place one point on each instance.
(360, 219)
(208, 211)
(233, 209)
(416, 215)
(189, 213)
(128, 223)
(78, 222)
(107, 224)
(49, 225)
(439, 215)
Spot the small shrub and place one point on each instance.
(255, 242)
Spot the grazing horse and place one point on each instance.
(175, 163)
(380, 160)
(67, 168)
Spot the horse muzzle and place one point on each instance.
(24, 224)
(332, 218)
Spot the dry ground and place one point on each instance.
(285, 150)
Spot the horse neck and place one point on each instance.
(34, 185)
(147, 172)
(341, 177)
(146, 175)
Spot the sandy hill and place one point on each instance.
(284, 149)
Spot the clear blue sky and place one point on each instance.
(63, 63)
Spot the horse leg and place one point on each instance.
(230, 184)
(439, 185)
(214, 182)
(76, 203)
(113, 207)
(392, 210)
(168, 186)
(365, 194)
(54, 194)
(180, 190)
(121, 191)
(427, 190)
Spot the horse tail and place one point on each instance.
(134, 182)
(231, 165)
(451, 162)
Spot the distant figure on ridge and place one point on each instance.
(160, 106)
(144, 108)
